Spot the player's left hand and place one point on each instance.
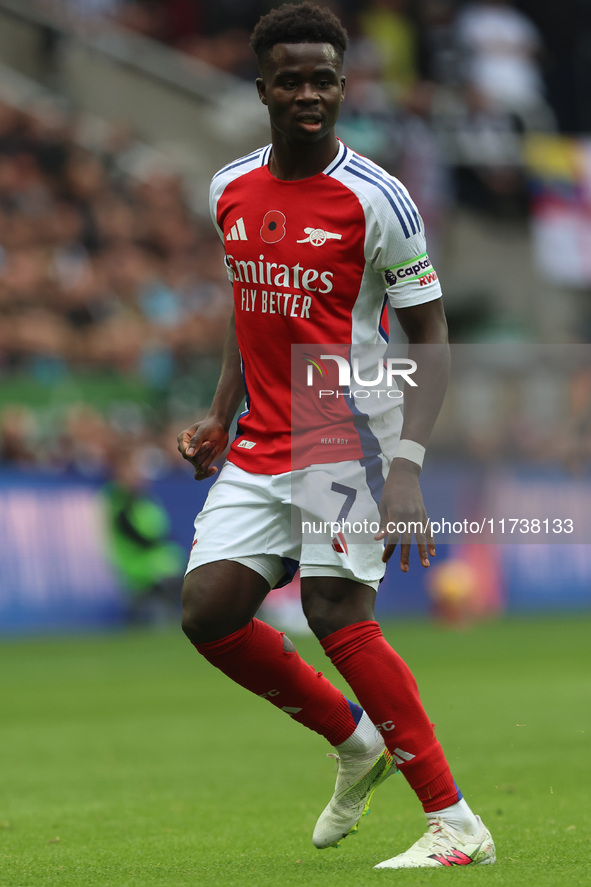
(403, 513)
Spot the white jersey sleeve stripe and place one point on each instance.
(395, 186)
(405, 204)
(380, 186)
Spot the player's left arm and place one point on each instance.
(402, 500)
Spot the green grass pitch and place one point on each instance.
(127, 761)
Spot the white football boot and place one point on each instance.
(358, 777)
(442, 845)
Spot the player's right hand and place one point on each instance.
(201, 444)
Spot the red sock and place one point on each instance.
(254, 657)
(387, 690)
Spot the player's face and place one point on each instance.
(303, 87)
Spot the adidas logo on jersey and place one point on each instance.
(238, 231)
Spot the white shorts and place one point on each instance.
(322, 518)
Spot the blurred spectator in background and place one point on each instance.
(387, 24)
(150, 566)
(368, 122)
(483, 148)
(84, 443)
(17, 434)
(439, 50)
(421, 162)
(226, 50)
(502, 49)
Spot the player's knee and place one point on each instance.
(190, 622)
(332, 605)
(321, 625)
(319, 617)
(198, 619)
(318, 610)
(206, 612)
(199, 626)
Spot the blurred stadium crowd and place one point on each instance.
(518, 54)
(112, 276)
(102, 275)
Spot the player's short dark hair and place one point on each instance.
(298, 23)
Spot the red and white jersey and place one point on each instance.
(312, 262)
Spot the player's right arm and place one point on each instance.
(204, 442)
